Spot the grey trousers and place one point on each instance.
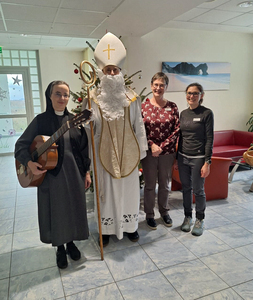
(157, 168)
(189, 173)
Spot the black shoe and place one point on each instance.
(105, 238)
(167, 220)
(61, 259)
(133, 236)
(152, 223)
(73, 251)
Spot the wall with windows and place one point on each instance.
(26, 58)
(20, 95)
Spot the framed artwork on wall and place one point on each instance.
(212, 76)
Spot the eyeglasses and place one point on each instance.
(161, 86)
(59, 95)
(189, 94)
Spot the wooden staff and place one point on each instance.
(91, 82)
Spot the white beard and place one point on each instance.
(112, 96)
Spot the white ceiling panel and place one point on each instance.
(27, 40)
(2, 28)
(209, 27)
(92, 5)
(193, 13)
(62, 21)
(26, 27)
(81, 17)
(243, 20)
(80, 43)
(71, 30)
(54, 42)
(50, 3)
(53, 37)
(213, 4)
(138, 17)
(218, 17)
(31, 13)
(233, 6)
(15, 35)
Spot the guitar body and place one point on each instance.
(44, 151)
(48, 160)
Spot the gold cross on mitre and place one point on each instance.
(108, 43)
(109, 49)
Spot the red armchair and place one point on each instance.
(216, 184)
(231, 143)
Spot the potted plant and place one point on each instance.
(250, 123)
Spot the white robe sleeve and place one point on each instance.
(138, 127)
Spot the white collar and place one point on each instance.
(59, 113)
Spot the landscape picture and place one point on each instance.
(211, 75)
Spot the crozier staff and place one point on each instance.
(120, 142)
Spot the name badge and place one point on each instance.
(196, 119)
(167, 109)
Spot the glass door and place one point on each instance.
(16, 106)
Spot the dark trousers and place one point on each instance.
(156, 168)
(190, 177)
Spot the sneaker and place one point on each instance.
(186, 226)
(198, 227)
(167, 220)
(61, 259)
(133, 236)
(151, 223)
(73, 251)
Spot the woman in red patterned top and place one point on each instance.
(161, 119)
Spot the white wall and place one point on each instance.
(58, 65)
(231, 108)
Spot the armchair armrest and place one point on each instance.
(216, 184)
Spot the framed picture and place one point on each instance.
(212, 76)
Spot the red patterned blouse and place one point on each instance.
(162, 125)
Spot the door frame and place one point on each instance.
(27, 95)
(27, 92)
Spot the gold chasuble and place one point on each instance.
(119, 151)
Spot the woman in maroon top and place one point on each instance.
(161, 119)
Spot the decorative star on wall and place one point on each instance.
(16, 80)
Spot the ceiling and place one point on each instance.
(68, 24)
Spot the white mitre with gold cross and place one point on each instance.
(110, 51)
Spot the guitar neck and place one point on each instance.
(48, 143)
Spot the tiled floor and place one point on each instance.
(164, 264)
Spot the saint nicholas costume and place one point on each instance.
(120, 143)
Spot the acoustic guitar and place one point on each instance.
(44, 151)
